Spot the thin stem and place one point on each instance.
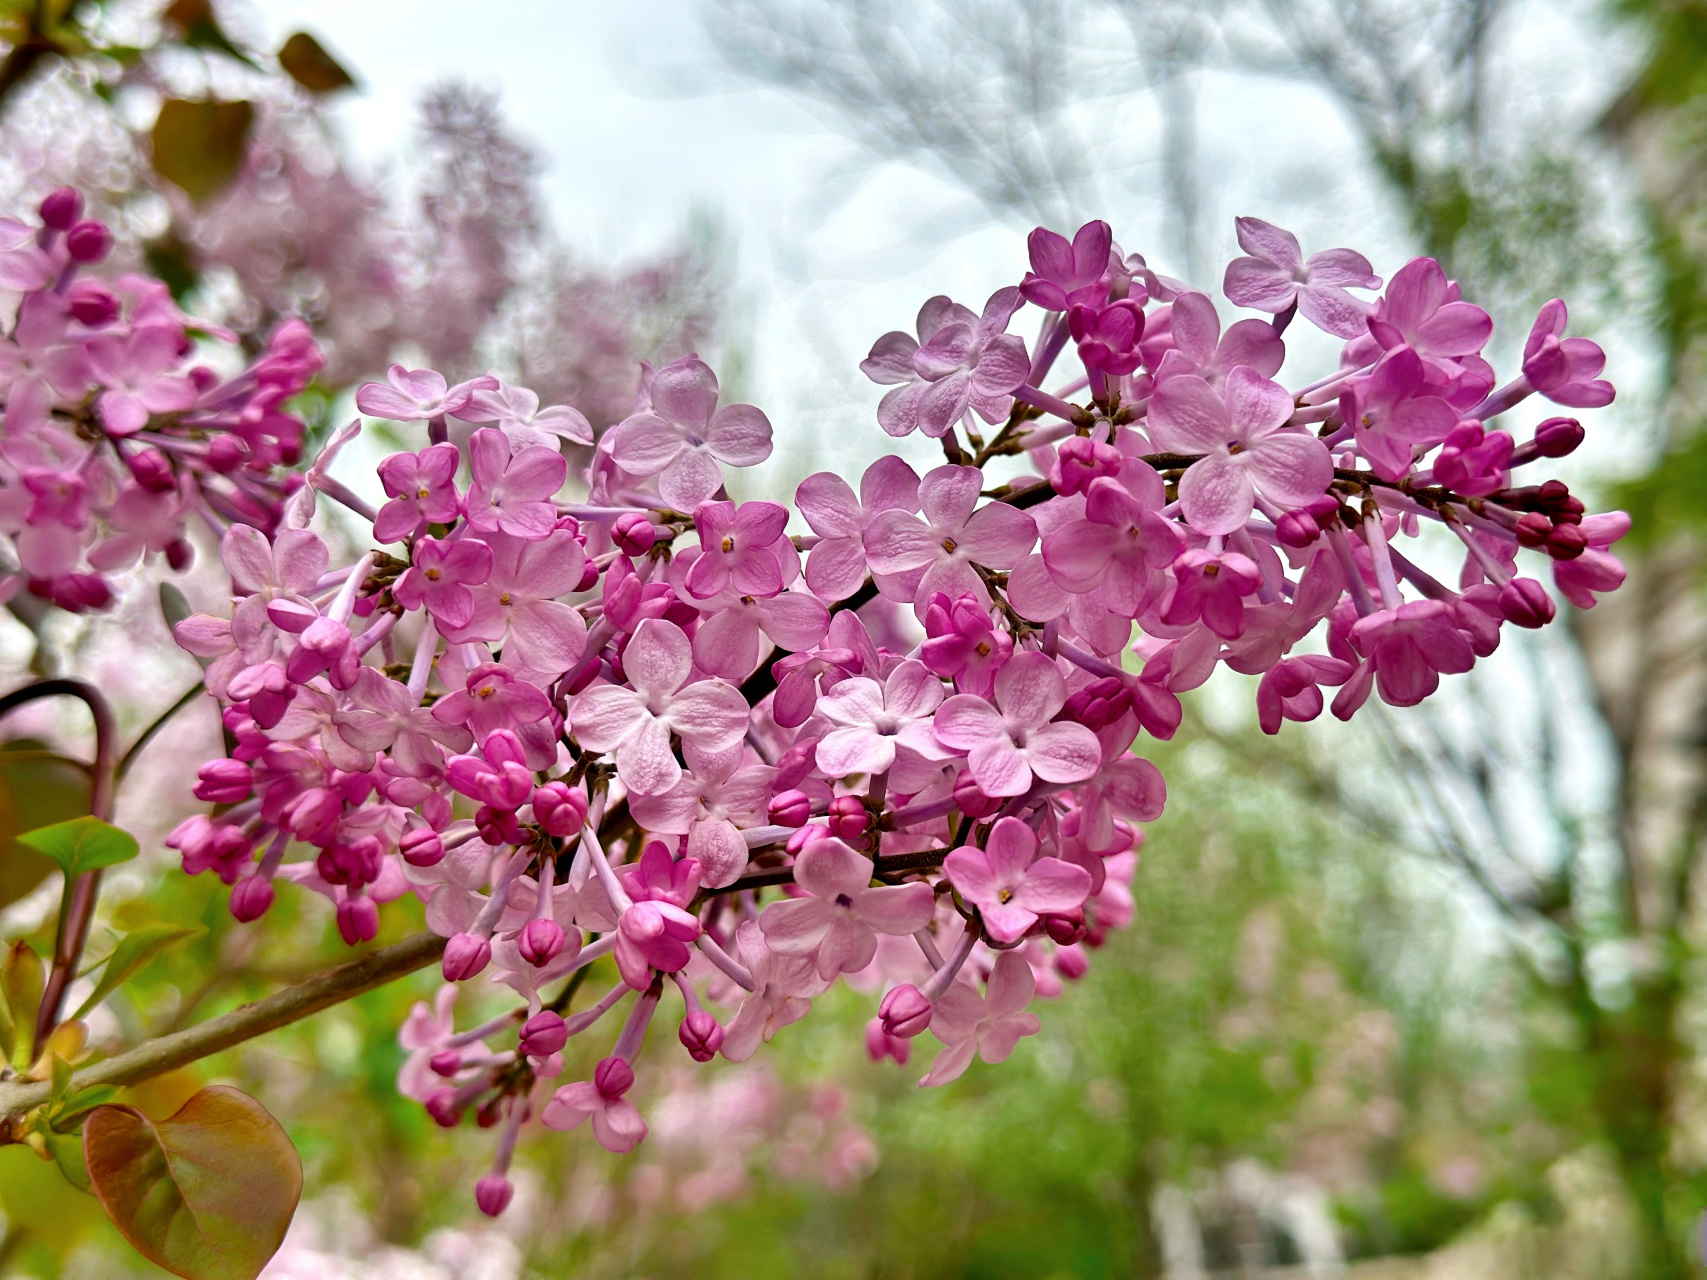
(143, 739)
(77, 908)
(168, 1053)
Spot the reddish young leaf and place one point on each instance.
(207, 1194)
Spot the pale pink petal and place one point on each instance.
(1063, 752)
(1216, 493)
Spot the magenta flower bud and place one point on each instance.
(60, 208)
(613, 1077)
(421, 847)
(250, 898)
(1064, 930)
(632, 533)
(789, 809)
(486, 1114)
(92, 303)
(446, 1063)
(180, 555)
(848, 818)
(559, 809)
(971, 801)
(223, 782)
(1099, 703)
(541, 942)
(880, 1044)
(498, 826)
(701, 1035)
(544, 1034)
(589, 576)
(904, 1012)
(226, 453)
(1533, 529)
(1525, 603)
(1557, 437)
(1071, 964)
(1296, 529)
(152, 471)
(492, 1193)
(1081, 460)
(1567, 542)
(441, 1106)
(358, 920)
(88, 241)
(502, 746)
(465, 956)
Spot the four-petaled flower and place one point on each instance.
(1006, 744)
(988, 1025)
(839, 923)
(1010, 885)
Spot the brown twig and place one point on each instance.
(156, 1057)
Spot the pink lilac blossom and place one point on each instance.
(646, 723)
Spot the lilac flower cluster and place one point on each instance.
(654, 725)
(115, 435)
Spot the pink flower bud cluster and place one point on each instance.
(654, 725)
(116, 434)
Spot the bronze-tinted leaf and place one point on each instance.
(37, 789)
(306, 61)
(199, 146)
(207, 1194)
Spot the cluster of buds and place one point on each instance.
(899, 748)
(116, 433)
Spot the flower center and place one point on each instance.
(432, 575)
(1004, 895)
(728, 544)
(504, 599)
(423, 493)
(949, 544)
(844, 902)
(983, 649)
(1211, 570)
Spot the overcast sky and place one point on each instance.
(640, 126)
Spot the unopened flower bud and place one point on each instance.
(544, 1034)
(1525, 603)
(421, 847)
(1557, 437)
(88, 241)
(1081, 460)
(498, 826)
(250, 898)
(226, 453)
(701, 1035)
(1071, 964)
(1065, 930)
(223, 782)
(92, 303)
(1567, 542)
(971, 801)
(358, 920)
(441, 1106)
(632, 533)
(487, 1113)
(559, 809)
(541, 942)
(880, 1044)
(1296, 529)
(465, 956)
(180, 555)
(613, 1077)
(789, 809)
(446, 1063)
(1533, 529)
(904, 1012)
(848, 818)
(492, 1193)
(589, 576)
(60, 208)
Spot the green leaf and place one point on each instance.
(83, 844)
(21, 979)
(306, 61)
(61, 1079)
(67, 1152)
(206, 1194)
(199, 146)
(37, 787)
(133, 951)
(174, 605)
(70, 1115)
